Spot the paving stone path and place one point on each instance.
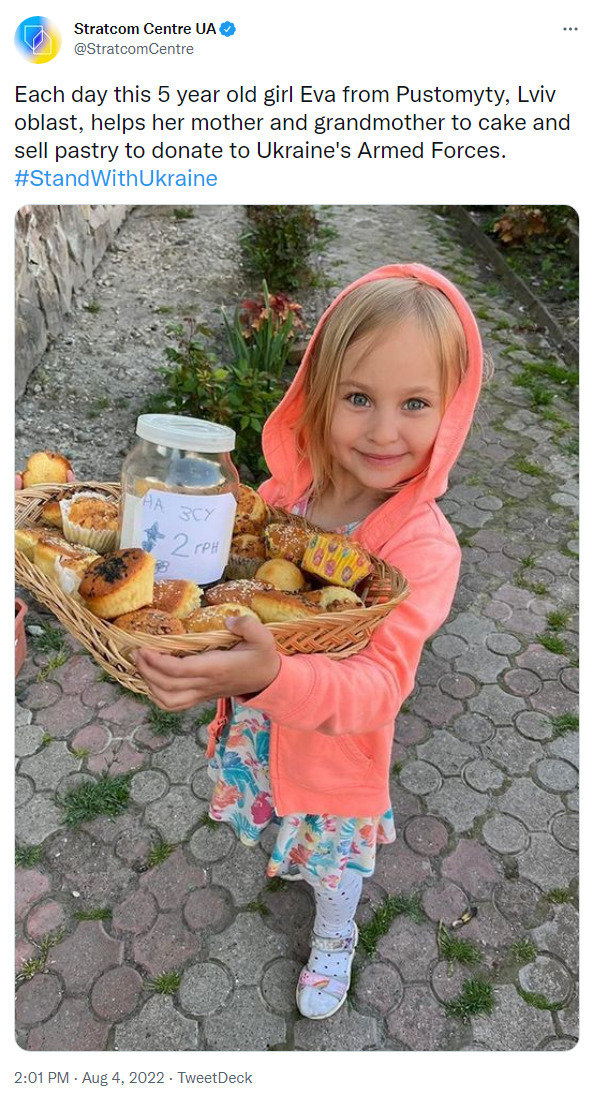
(484, 782)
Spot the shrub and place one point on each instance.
(278, 244)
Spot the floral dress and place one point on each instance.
(323, 844)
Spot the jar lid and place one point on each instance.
(185, 433)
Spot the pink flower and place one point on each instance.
(262, 808)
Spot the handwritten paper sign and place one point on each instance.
(189, 535)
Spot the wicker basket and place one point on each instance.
(336, 634)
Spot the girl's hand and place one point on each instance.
(179, 683)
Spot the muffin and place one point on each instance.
(276, 607)
(150, 621)
(282, 575)
(213, 619)
(240, 591)
(286, 541)
(247, 553)
(91, 519)
(177, 598)
(45, 467)
(336, 560)
(119, 583)
(69, 571)
(51, 513)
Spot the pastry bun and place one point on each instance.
(333, 598)
(213, 619)
(251, 506)
(120, 583)
(282, 575)
(177, 598)
(52, 514)
(240, 591)
(150, 621)
(44, 467)
(51, 548)
(25, 539)
(286, 541)
(276, 607)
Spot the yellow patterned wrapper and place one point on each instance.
(336, 561)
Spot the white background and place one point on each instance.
(327, 44)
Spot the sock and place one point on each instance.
(335, 911)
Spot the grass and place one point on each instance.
(559, 895)
(47, 740)
(166, 983)
(27, 856)
(528, 561)
(210, 823)
(92, 307)
(257, 907)
(93, 915)
(109, 795)
(52, 663)
(208, 715)
(563, 724)
(81, 754)
(395, 906)
(539, 1001)
(51, 639)
(397, 768)
(35, 964)
(523, 951)
(524, 466)
(458, 951)
(556, 621)
(276, 884)
(159, 853)
(465, 539)
(164, 722)
(476, 999)
(552, 643)
(180, 213)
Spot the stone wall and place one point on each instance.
(57, 250)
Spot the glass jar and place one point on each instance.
(179, 490)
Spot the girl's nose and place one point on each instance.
(384, 428)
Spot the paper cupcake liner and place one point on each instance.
(240, 566)
(100, 540)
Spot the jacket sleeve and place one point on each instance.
(359, 693)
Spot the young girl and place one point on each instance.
(362, 443)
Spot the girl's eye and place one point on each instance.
(358, 400)
(414, 404)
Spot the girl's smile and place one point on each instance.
(387, 411)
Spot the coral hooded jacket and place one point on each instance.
(332, 722)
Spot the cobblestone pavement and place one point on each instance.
(484, 783)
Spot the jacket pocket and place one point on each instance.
(320, 762)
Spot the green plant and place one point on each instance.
(455, 950)
(278, 244)
(166, 983)
(50, 639)
(92, 307)
(476, 999)
(556, 621)
(94, 915)
(380, 923)
(208, 715)
(559, 895)
(523, 951)
(108, 795)
(52, 663)
(81, 754)
(206, 820)
(159, 853)
(562, 724)
(27, 856)
(46, 740)
(539, 1001)
(261, 333)
(276, 884)
(552, 643)
(35, 964)
(195, 384)
(526, 467)
(164, 722)
(257, 906)
(180, 213)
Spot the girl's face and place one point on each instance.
(388, 409)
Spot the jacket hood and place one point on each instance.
(291, 477)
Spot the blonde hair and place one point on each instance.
(366, 310)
